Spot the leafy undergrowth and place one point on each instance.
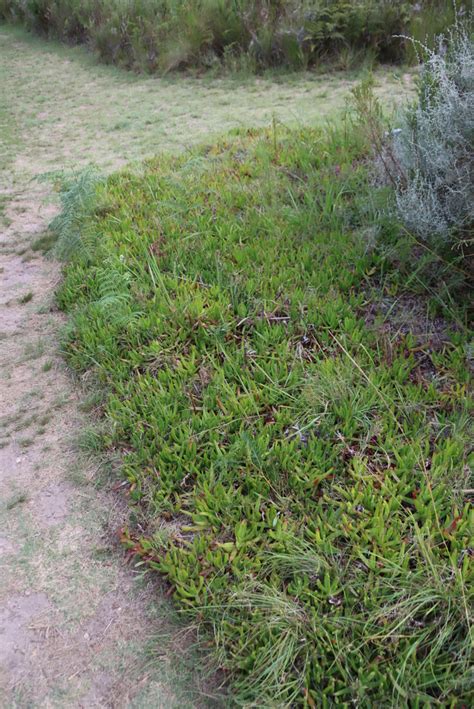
(293, 421)
(248, 35)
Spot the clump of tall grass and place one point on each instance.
(408, 637)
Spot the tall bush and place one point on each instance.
(159, 35)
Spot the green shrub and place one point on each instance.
(159, 35)
(293, 423)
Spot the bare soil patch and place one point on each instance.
(74, 622)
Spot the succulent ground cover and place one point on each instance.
(291, 406)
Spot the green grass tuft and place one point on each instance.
(26, 298)
(17, 498)
(44, 243)
(292, 414)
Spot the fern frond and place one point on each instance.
(77, 194)
(115, 301)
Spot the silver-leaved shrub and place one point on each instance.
(435, 147)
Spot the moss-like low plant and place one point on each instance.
(293, 419)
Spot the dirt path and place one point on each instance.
(76, 626)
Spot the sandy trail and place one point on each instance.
(75, 625)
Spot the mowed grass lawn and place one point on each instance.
(288, 390)
(60, 108)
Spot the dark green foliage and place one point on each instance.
(293, 420)
(160, 35)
